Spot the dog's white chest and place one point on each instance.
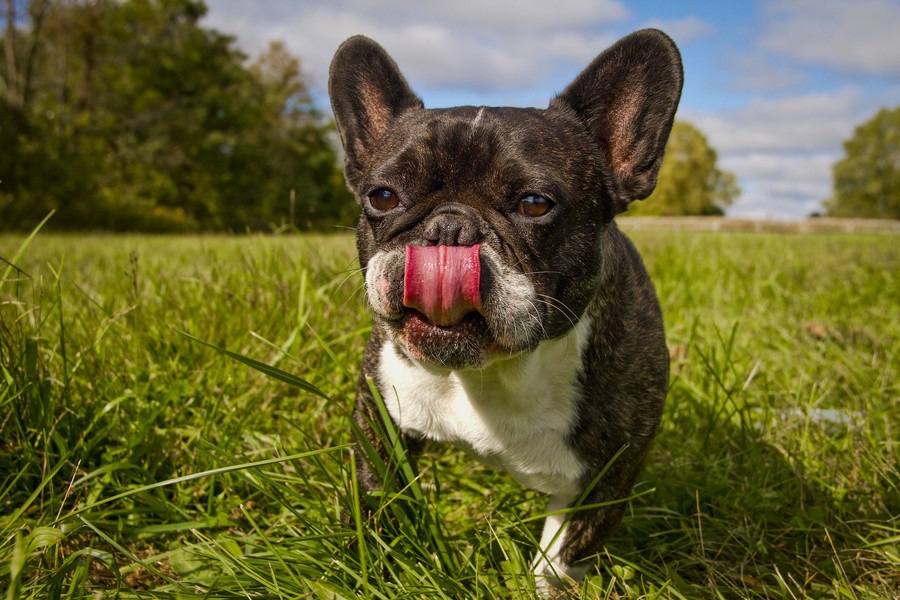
(514, 414)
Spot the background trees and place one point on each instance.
(130, 115)
(867, 179)
(690, 182)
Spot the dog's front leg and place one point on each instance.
(553, 570)
(376, 468)
(570, 539)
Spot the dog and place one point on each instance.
(512, 317)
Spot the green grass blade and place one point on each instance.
(11, 263)
(202, 475)
(269, 370)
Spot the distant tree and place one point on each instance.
(867, 179)
(300, 149)
(690, 182)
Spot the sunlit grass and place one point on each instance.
(139, 462)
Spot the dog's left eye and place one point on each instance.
(533, 205)
(383, 199)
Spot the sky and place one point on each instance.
(775, 85)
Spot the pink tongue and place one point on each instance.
(443, 282)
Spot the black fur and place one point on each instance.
(596, 148)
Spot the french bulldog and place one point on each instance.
(512, 317)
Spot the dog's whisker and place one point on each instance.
(568, 313)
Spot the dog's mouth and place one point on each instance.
(466, 343)
(455, 306)
(470, 324)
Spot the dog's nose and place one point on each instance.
(453, 225)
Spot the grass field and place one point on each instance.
(137, 463)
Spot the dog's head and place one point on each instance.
(508, 202)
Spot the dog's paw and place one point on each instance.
(551, 587)
(554, 579)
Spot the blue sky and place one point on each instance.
(776, 85)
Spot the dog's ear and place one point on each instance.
(627, 99)
(367, 92)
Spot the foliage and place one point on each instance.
(690, 182)
(867, 179)
(137, 117)
(138, 464)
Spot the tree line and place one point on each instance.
(131, 115)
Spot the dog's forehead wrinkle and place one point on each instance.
(507, 151)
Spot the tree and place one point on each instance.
(690, 183)
(867, 179)
(16, 73)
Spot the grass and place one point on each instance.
(137, 463)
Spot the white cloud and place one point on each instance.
(781, 183)
(853, 37)
(782, 149)
(518, 16)
(477, 44)
(803, 122)
(760, 205)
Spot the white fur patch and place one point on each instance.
(550, 571)
(477, 118)
(511, 307)
(378, 282)
(514, 414)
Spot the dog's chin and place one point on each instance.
(467, 344)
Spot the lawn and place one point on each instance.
(136, 462)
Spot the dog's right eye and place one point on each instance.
(383, 199)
